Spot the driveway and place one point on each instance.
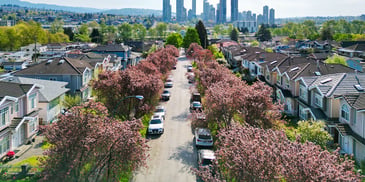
(172, 155)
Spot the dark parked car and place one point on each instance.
(195, 97)
(190, 68)
(165, 95)
(196, 106)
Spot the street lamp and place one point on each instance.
(139, 97)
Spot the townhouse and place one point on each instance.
(18, 115)
(77, 73)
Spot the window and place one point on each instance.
(4, 145)
(345, 112)
(317, 100)
(287, 83)
(32, 126)
(55, 102)
(33, 103)
(11, 109)
(303, 93)
(4, 116)
(268, 76)
(16, 106)
(278, 79)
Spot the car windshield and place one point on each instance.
(165, 91)
(206, 162)
(160, 110)
(196, 104)
(155, 121)
(206, 136)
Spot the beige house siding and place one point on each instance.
(360, 151)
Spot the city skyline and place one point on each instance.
(283, 8)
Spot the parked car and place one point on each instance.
(168, 84)
(205, 157)
(195, 97)
(203, 138)
(196, 106)
(160, 110)
(165, 95)
(155, 126)
(191, 77)
(174, 67)
(190, 68)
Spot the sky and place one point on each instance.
(283, 8)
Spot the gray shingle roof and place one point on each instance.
(111, 48)
(69, 67)
(49, 91)
(13, 89)
(347, 84)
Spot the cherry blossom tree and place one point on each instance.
(113, 87)
(193, 48)
(87, 145)
(253, 154)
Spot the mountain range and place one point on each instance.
(124, 11)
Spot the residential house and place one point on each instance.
(18, 115)
(99, 61)
(14, 66)
(51, 96)
(284, 75)
(32, 48)
(122, 51)
(77, 73)
(350, 133)
(356, 50)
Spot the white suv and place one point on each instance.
(155, 125)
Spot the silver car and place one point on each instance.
(203, 138)
(205, 157)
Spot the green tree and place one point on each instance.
(200, 28)
(312, 131)
(263, 34)
(215, 51)
(326, 34)
(69, 32)
(71, 101)
(234, 34)
(174, 39)
(191, 36)
(125, 32)
(83, 34)
(152, 33)
(219, 29)
(161, 29)
(140, 31)
(336, 59)
(96, 36)
(57, 26)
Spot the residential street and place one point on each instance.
(172, 155)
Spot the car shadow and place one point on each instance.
(187, 154)
(152, 137)
(181, 117)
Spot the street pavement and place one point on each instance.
(172, 155)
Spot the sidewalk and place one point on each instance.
(35, 150)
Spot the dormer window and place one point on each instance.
(345, 112)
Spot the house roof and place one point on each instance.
(356, 47)
(49, 91)
(357, 101)
(320, 56)
(56, 67)
(12, 63)
(111, 48)
(336, 84)
(13, 89)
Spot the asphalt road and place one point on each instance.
(172, 155)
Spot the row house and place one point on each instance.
(336, 99)
(51, 95)
(350, 131)
(77, 73)
(18, 115)
(282, 76)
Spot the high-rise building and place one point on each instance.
(272, 16)
(208, 12)
(180, 14)
(166, 13)
(222, 11)
(265, 15)
(194, 8)
(260, 19)
(234, 10)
